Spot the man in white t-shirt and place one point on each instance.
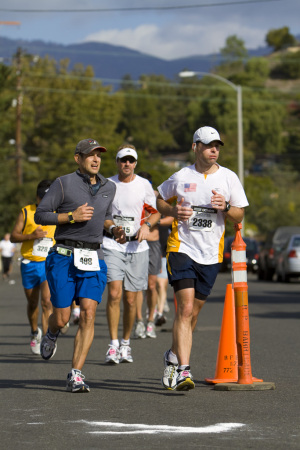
(200, 197)
(7, 250)
(127, 264)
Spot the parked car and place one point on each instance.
(288, 261)
(251, 254)
(271, 249)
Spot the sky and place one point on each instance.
(174, 32)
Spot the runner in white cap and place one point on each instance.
(204, 195)
(127, 264)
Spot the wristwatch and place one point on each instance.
(148, 224)
(227, 207)
(71, 219)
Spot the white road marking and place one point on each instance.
(137, 428)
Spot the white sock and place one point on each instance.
(172, 358)
(125, 341)
(184, 367)
(115, 342)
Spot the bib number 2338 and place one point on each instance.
(86, 259)
(203, 219)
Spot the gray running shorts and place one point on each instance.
(154, 257)
(131, 268)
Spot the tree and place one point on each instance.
(280, 38)
(288, 68)
(234, 48)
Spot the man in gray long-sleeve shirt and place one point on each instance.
(79, 204)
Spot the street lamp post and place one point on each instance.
(238, 90)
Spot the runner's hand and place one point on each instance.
(143, 233)
(183, 213)
(218, 200)
(119, 234)
(83, 213)
(39, 233)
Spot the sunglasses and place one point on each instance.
(128, 158)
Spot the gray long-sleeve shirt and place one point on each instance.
(69, 192)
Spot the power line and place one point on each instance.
(149, 82)
(145, 8)
(142, 95)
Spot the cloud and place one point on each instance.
(171, 42)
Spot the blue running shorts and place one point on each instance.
(33, 274)
(68, 283)
(181, 266)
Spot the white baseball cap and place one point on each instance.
(127, 152)
(206, 135)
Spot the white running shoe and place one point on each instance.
(139, 331)
(75, 316)
(125, 354)
(75, 382)
(48, 346)
(65, 329)
(170, 374)
(184, 381)
(112, 355)
(35, 343)
(150, 331)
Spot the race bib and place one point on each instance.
(86, 259)
(202, 219)
(127, 223)
(42, 246)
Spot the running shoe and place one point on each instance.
(160, 320)
(170, 374)
(75, 316)
(150, 331)
(125, 354)
(48, 346)
(35, 343)
(139, 331)
(112, 355)
(75, 382)
(65, 329)
(184, 381)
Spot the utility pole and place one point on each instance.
(19, 165)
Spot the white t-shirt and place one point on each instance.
(7, 248)
(127, 210)
(202, 237)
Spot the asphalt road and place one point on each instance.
(127, 407)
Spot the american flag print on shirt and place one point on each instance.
(190, 187)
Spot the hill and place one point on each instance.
(112, 62)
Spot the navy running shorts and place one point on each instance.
(181, 266)
(68, 283)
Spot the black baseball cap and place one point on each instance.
(43, 188)
(88, 145)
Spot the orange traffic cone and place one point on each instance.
(227, 359)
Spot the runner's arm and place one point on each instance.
(17, 232)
